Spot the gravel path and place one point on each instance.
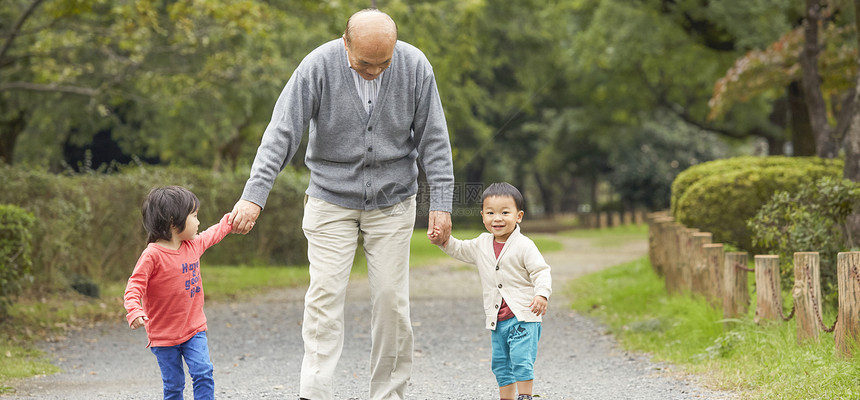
(256, 346)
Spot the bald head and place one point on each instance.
(369, 38)
(370, 24)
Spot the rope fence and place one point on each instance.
(691, 265)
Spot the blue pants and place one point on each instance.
(515, 350)
(195, 351)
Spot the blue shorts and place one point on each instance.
(515, 346)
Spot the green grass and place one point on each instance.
(231, 283)
(610, 237)
(22, 363)
(758, 361)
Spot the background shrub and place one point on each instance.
(691, 175)
(812, 218)
(88, 226)
(722, 201)
(15, 263)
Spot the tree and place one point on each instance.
(852, 139)
(812, 66)
(179, 81)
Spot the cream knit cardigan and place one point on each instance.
(518, 275)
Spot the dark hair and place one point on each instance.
(503, 189)
(166, 208)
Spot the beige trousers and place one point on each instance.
(332, 232)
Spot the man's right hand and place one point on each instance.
(244, 216)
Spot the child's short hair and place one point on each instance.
(503, 189)
(165, 208)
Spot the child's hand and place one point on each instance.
(538, 305)
(436, 237)
(140, 321)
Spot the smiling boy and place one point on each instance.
(516, 286)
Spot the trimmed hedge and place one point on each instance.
(721, 196)
(695, 173)
(89, 226)
(15, 262)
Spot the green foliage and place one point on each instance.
(722, 195)
(644, 173)
(758, 361)
(89, 225)
(766, 73)
(811, 218)
(15, 261)
(186, 83)
(194, 84)
(699, 171)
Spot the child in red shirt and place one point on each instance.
(165, 292)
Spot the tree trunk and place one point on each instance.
(595, 207)
(802, 138)
(826, 146)
(852, 137)
(779, 118)
(546, 195)
(10, 130)
(475, 170)
(851, 170)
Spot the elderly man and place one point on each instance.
(373, 113)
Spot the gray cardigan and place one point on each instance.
(356, 160)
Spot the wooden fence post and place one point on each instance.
(657, 222)
(768, 288)
(715, 260)
(601, 219)
(662, 244)
(670, 268)
(735, 291)
(652, 241)
(616, 219)
(688, 252)
(699, 263)
(807, 295)
(847, 334)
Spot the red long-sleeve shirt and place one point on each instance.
(166, 287)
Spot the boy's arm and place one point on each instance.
(135, 289)
(463, 250)
(539, 271)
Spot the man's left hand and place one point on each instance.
(442, 220)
